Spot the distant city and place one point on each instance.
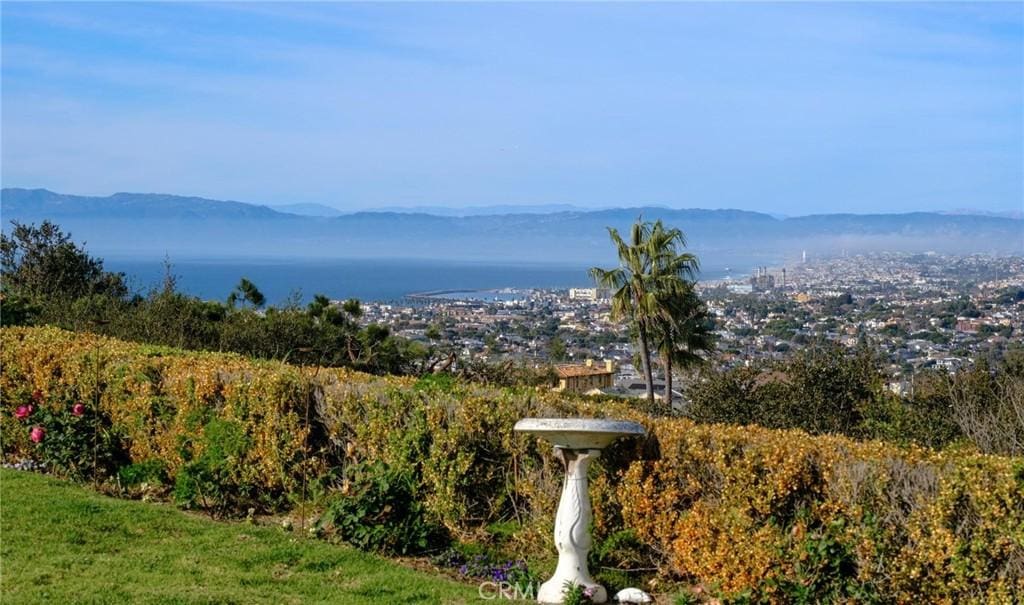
(919, 311)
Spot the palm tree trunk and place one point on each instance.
(667, 362)
(645, 358)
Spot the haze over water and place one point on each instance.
(368, 280)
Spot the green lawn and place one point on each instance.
(62, 543)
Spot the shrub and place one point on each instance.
(80, 445)
(750, 513)
(67, 435)
(378, 510)
(824, 568)
(152, 472)
(746, 508)
(820, 390)
(989, 409)
(620, 559)
(213, 479)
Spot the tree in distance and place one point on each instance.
(650, 288)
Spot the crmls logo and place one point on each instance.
(490, 591)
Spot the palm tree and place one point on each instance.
(682, 334)
(650, 267)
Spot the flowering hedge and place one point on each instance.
(754, 514)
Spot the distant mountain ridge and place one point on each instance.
(158, 224)
(307, 209)
(481, 210)
(17, 201)
(974, 211)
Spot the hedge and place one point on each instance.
(752, 514)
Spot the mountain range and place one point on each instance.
(306, 209)
(154, 225)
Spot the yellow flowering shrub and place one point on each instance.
(160, 399)
(736, 506)
(756, 515)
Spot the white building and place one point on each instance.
(589, 294)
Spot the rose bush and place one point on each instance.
(65, 436)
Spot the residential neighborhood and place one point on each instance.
(918, 310)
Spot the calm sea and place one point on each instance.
(370, 280)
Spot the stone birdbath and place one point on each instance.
(577, 441)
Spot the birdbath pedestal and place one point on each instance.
(577, 441)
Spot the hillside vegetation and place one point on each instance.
(406, 465)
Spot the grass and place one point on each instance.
(62, 543)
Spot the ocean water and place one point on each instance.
(369, 280)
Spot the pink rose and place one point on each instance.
(37, 395)
(78, 409)
(36, 434)
(23, 411)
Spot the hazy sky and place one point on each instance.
(789, 108)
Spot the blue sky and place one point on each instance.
(788, 108)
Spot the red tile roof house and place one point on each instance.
(584, 378)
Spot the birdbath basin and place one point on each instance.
(577, 441)
(578, 433)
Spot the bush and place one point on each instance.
(989, 409)
(824, 569)
(159, 401)
(925, 418)
(213, 480)
(821, 390)
(618, 560)
(752, 513)
(68, 436)
(378, 510)
(152, 472)
(746, 508)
